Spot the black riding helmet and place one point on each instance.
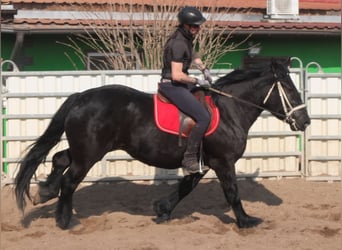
(190, 15)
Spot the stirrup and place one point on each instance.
(195, 168)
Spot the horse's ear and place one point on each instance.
(288, 61)
(273, 64)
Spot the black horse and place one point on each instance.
(114, 117)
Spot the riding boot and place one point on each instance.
(190, 162)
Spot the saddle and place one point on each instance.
(170, 119)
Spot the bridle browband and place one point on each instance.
(287, 107)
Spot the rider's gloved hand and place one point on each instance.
(207, 75)
(203, 83)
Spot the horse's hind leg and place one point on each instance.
(70, 180)
(165, 206)
(50, 188)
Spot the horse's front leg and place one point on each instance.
(165, 206)
(229, 185)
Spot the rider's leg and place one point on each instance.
(190, 161)
(180, 95)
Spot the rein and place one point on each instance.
(287, 107)
(240, 100)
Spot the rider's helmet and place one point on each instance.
(191, 16)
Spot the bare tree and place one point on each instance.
(215, 39)
(129, 38)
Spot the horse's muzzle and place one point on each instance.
(298, 123)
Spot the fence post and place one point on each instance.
(302, 89)
(3, 122)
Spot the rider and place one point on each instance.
(177, 85)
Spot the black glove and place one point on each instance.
(207, 75)
(203, 83)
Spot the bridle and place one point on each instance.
(287, 107)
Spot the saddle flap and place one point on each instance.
(169, 119)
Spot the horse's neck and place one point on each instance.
(248, 97)
(259, 87)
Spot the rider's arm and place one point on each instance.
(198, 61)
(200, 65)
(178, 75)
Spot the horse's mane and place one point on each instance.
(252, 68)
(236, 76)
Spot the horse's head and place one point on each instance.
(283, 99)
(265, 83)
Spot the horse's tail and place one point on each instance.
(39, 150)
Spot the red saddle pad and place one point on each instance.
(167, 116)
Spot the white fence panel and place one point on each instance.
(33, 97)
(323, 137)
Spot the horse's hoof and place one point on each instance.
(62, 223)
(162, 219)
(40, 197)
(248, 222)
(63, 214)
(162, 209)
(36, 199)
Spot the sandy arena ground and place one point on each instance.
(297, 214)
